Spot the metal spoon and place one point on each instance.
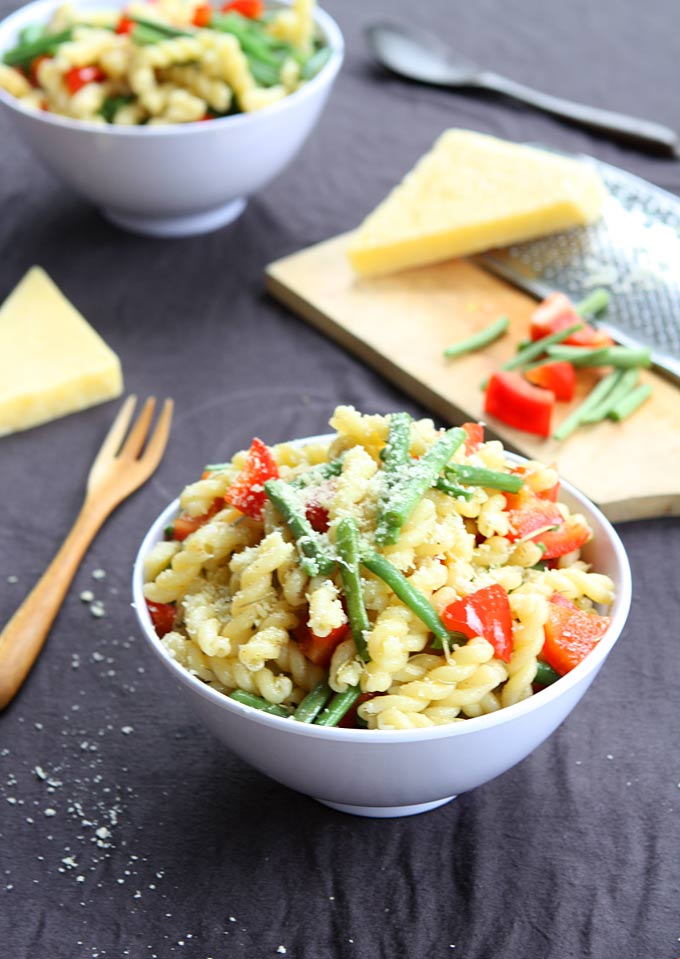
(418, 55)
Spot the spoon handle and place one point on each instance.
(642, 133)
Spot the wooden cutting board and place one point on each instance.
(400, 325)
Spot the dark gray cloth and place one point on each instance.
(125, 828)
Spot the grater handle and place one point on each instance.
(645, 134)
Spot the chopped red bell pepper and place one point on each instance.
(520, 404)
(532, 515)
(319, 649)
(551, 493)
(317, 514)
(125, 25)
(486, 613)
(570, 635)
(556, 313)
(569, 535)
(78, 77)
(185, 524)
(162, 617)
(253, 9)
(247, 493)
(474, 436)
(560, 377)
(202, 15)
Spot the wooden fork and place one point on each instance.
(119, 469)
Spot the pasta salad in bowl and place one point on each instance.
(386, 616)
(167, 114)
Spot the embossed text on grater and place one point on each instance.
(633, 251)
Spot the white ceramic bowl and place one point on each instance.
(398, 772)
(171, 180)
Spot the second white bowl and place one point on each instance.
(173, 180)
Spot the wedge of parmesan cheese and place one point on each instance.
(51, 362)
(471, 193)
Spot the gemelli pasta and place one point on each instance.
(393, 576)
(164, 62)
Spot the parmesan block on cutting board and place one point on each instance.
(471, 193)
(51, 361)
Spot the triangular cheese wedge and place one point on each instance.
(51, 361)
(471, 193)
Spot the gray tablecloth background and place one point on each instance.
(125, 828)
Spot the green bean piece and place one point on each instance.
(31, 33)
(620, 383)
(313, 703)
(347, 544)
(628, 380)
(253, 40)
(257, 702)
(578, 355)
(408, 594)
(264, 74)
(538, 347)
(630, 403)
(315, 559)
(144, 36)
(568, 425)
(451, 489)
(163, 28)
(622, 357)
(480, 339)
(25, 53)
(480, 476)
(395, 453)
(594, 303)
(422, 474)
(395, 457)
(340, 704)
(545, 675)
(590, 403)
(317, 474)
(111, 105)
(315, 63)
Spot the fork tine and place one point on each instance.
(156, 445)
(133, 444)
(117, 431)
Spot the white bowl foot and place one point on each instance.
(387, 812)
(188, 224)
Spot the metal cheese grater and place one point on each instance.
(633, 251)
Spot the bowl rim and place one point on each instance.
(328, 26)
(370, 737)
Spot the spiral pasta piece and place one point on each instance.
(214, 541)
(14, 82)
(387, 648)
(215, 93)
(326, 612)
(304, 673)
(346, 668)
(167, 53)
(528, 638)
